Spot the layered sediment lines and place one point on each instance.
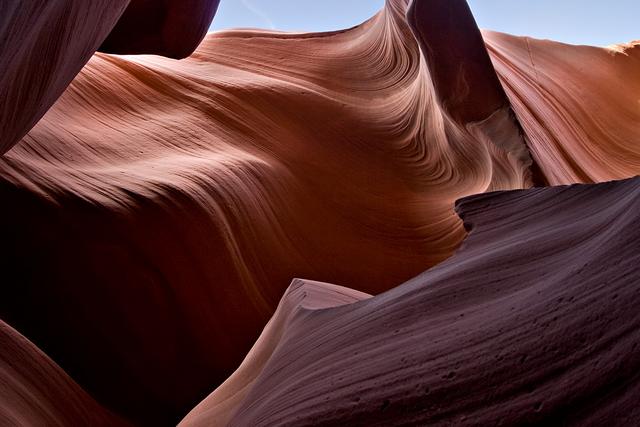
(301, 297)
(533, 321)
(44, 44)
(159, 210)
(168, 203)
(578, 105)
(34, 391)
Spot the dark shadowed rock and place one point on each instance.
(172, 28)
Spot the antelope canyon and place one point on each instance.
(408, 222)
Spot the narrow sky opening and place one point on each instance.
(591, 22)
(294, 15)
(598, 23)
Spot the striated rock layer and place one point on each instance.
(158, 211)
(34, 391)
(463, 76)
(533, 321)
(303, 296)
(167, 205)
(578, 105)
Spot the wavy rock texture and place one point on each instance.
(43, 45)
(34, 391)
(172, 28)
(463, 78)
(533, 321)
(159, 199)
(578, 105)
(160, 208)
(301, 297)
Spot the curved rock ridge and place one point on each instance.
(34, 391)
(168, 204)
(578, 105)
(464, 80)
(43, 45)
(534, 321)
(172, 28)
(301, 297)
(160, 208)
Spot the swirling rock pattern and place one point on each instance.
(160, 208)
(43, 45)
(187, 192)
(534, 321)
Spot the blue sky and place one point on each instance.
(596, 22)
